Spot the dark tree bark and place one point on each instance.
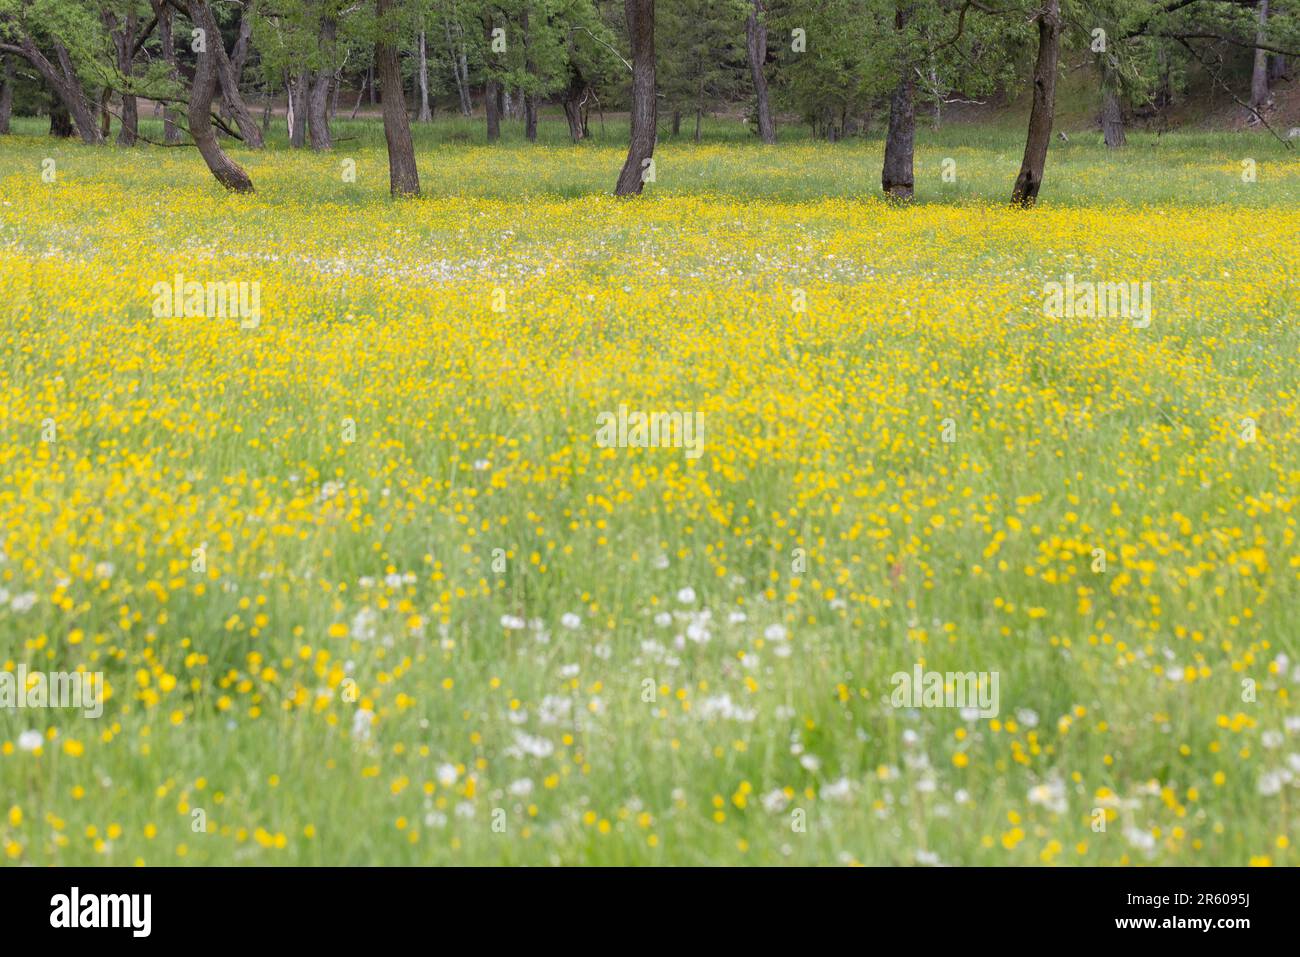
(318, 93)
(163, 11)
(1112, 109)
(641, 146)
(123, 36)
(6, 93)
(530, 100)
(227, 172)
(403, 177)
(530, 118)
(1025, 192)
(897, 177)
(60, 120)
(756, 47)
(228, 78)
(575, 95)
(1259, 75)
(297, 115)
(63, 82)
(677, 122)
(492, 106)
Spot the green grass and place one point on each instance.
(475, 432)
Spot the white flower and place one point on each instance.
(661, 562)
(393, 581)
(838, 790)
(534, 745)
(1270, 783)
(512, 622)
(447, 774)
(686, 595)
(363, 624)
(1050, 795)
(521, 788)
(810, 762)
(1140, 839)
(721, 706)
(928, 858)
(362, 719)
(774, 801)
(1027, 717)
(1271, 739)
(482, 465)
(30, 740)
(104, 569)
(775, 633)
(571, 621)
(23, 602)
(663, 619)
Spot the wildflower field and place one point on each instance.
(364, 586)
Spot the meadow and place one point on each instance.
(364, 587)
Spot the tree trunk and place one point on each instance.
(228, 78)
(641, 146)
(122, 36)
(492, 106)
(574, 96)
(1259, 75)
(60, 120)
(530, 67)
(163, 11)
(66, 87)
(677, 122)
(1025, 192)
(462, 83)
(228, 173)
(426, 115)
(6, 93)
(530, 117)
(896, 176)
(1112, 110)
(756, 47)
(296, 118)
(403, 177)
(318, 96)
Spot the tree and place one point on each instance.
(204, 88)
(640, 16)
(896, 172)
(703, 56)
(1025, 192)
(756, 50)
(403, 177)
(29, 28)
